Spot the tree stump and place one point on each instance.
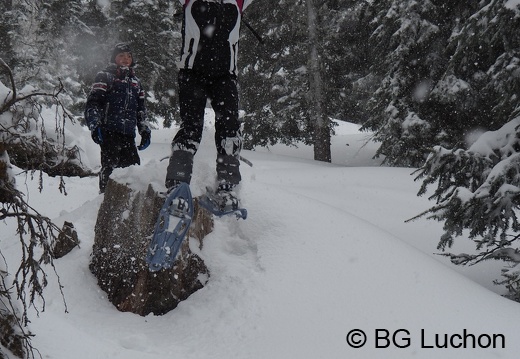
(67, 240)
(123, 231)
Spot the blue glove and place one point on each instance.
(146, 138)
(97, 135)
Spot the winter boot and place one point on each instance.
(171, 185)
(227, 197)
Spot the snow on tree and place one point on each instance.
(445, 74)
(345, 57)
(406, 46)
(70, 41)
(154, 35)
(22, 133)
(277, 91)
(477, 188)
(273, 76)
(477, 196)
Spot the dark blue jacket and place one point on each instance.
(116, 102)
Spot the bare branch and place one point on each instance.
(14, 98)
(21, 342)
(34, 231)
(8, 104)
(10, 74)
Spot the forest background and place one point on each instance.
(426, 78)
(417, 74)
(435, 82)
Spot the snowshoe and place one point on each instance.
(170, 229)
(222, 203)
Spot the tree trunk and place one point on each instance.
(6, 27)
(317, 113)
(125, 222)
(7, 188)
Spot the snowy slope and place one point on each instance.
(324, 251)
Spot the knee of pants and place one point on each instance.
(190, 146)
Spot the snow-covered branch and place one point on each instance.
(12, 99)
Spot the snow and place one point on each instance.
(503, 138)
(512, 4)
(451, 87)
(325, 250)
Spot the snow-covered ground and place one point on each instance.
(325, 251)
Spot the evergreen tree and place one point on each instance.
(274, 76)
(7, 26)
(477, 188)
(442, 74)
(91, 48)
(407, 49)
(43, 43)
(346, 59)
(477, 196)
(484, 55)
(278, 94)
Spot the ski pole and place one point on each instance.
(258, 37)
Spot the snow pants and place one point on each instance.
(194, 91)
(117, 150)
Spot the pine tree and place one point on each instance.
(484, 54)
(91, 48)
(442, 74)
(407, 44)
(345, 29)
(44, 38)
(477, 188)
(273, 76)
(477, 196)
(7, 26)
(278, 95)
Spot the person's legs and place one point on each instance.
(192, 101)
(109, 158)
(228, 134)
(117, 150)
(128, 154)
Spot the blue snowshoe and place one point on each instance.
(222, 203)
(171, 228)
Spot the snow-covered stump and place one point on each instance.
(124, 226)
(67, 240)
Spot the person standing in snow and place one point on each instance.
(115, 107)
(208, 70)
